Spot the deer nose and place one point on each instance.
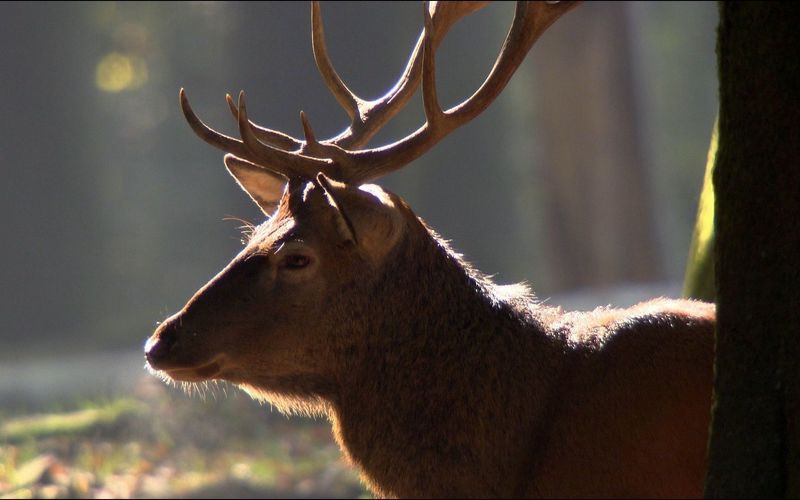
(160, 344)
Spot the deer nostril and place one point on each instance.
(159, 345)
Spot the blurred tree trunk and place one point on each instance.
(754, 448)
(599, 197)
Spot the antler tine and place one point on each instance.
(209, 135)
(292, 164)
(367, 117)
(311, 138)
(430, 99)
(344, 96)
(271, 137)
(531, 19)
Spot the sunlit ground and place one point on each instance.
(160, 443)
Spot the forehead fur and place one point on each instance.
(301, 200)
(268, 232)
(292, 206)
(275, 227)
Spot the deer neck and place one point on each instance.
(447, 372)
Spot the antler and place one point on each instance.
(339, 156)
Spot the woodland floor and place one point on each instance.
(159, 442)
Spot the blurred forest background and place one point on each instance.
(582, 179)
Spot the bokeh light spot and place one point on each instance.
(118, 72)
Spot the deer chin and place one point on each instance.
(199, 373)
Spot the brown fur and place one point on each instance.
(439, 382)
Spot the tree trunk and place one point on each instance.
(756, 423)
(598, 194)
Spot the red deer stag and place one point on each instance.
(438, 382)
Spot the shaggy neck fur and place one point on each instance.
(449, 355)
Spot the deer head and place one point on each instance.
(279, 319)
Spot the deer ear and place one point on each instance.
(366, 213)
(264, 186)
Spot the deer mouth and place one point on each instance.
(194, 373)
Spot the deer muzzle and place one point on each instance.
(166, 351)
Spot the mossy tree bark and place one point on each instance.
(698, 282)
(754, 448)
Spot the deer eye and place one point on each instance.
(296, 261)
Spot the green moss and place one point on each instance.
(33, 426)
(699, 280)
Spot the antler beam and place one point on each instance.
(340, 157)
